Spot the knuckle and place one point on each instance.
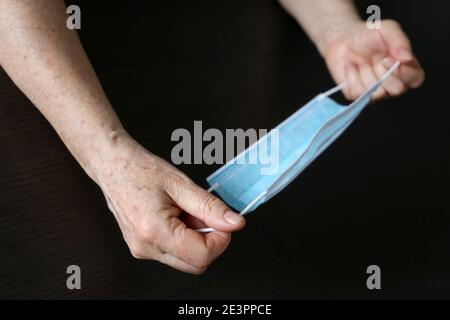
(210, 203)
(178, 231)
(180, 179)
(137, 251)
(176, 181)
(147, 230)
(202, 262)
(176, 184)
(137, 256)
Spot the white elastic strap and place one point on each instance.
(343, 85)
(250, 205)
(205, 230)
(332, 91)
(213, 187)
(242, 213)
(390, 71)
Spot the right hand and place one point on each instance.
(361, 57)
(158, 209)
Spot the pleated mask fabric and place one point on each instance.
(298, 141)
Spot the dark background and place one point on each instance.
(379, 195)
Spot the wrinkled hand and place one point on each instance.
(361, 56)
(147, 196)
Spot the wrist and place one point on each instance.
(103, 151)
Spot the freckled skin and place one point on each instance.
(145, 193)
(355, 54)
(156, 206)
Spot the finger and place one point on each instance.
(188, 245)
(192, 222)
(411, 74)
(393, 85)
(355, 87)
(144, 251)
(204, 205)
(369, 78)
(216, 242)
(180, 265)
(397, 41)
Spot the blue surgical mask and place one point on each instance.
(301, 139)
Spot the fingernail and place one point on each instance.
(232, 218)
(405, 54)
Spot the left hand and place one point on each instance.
(361, 56)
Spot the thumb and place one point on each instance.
(398, 42)
(204, 205)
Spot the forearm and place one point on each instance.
(322, 20)
(48, 63)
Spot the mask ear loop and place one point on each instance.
(389, 72)
(345, 84)
(213, 187)
(332, 91)
(320, 97)
(242, 213)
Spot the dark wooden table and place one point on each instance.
(380, 195)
